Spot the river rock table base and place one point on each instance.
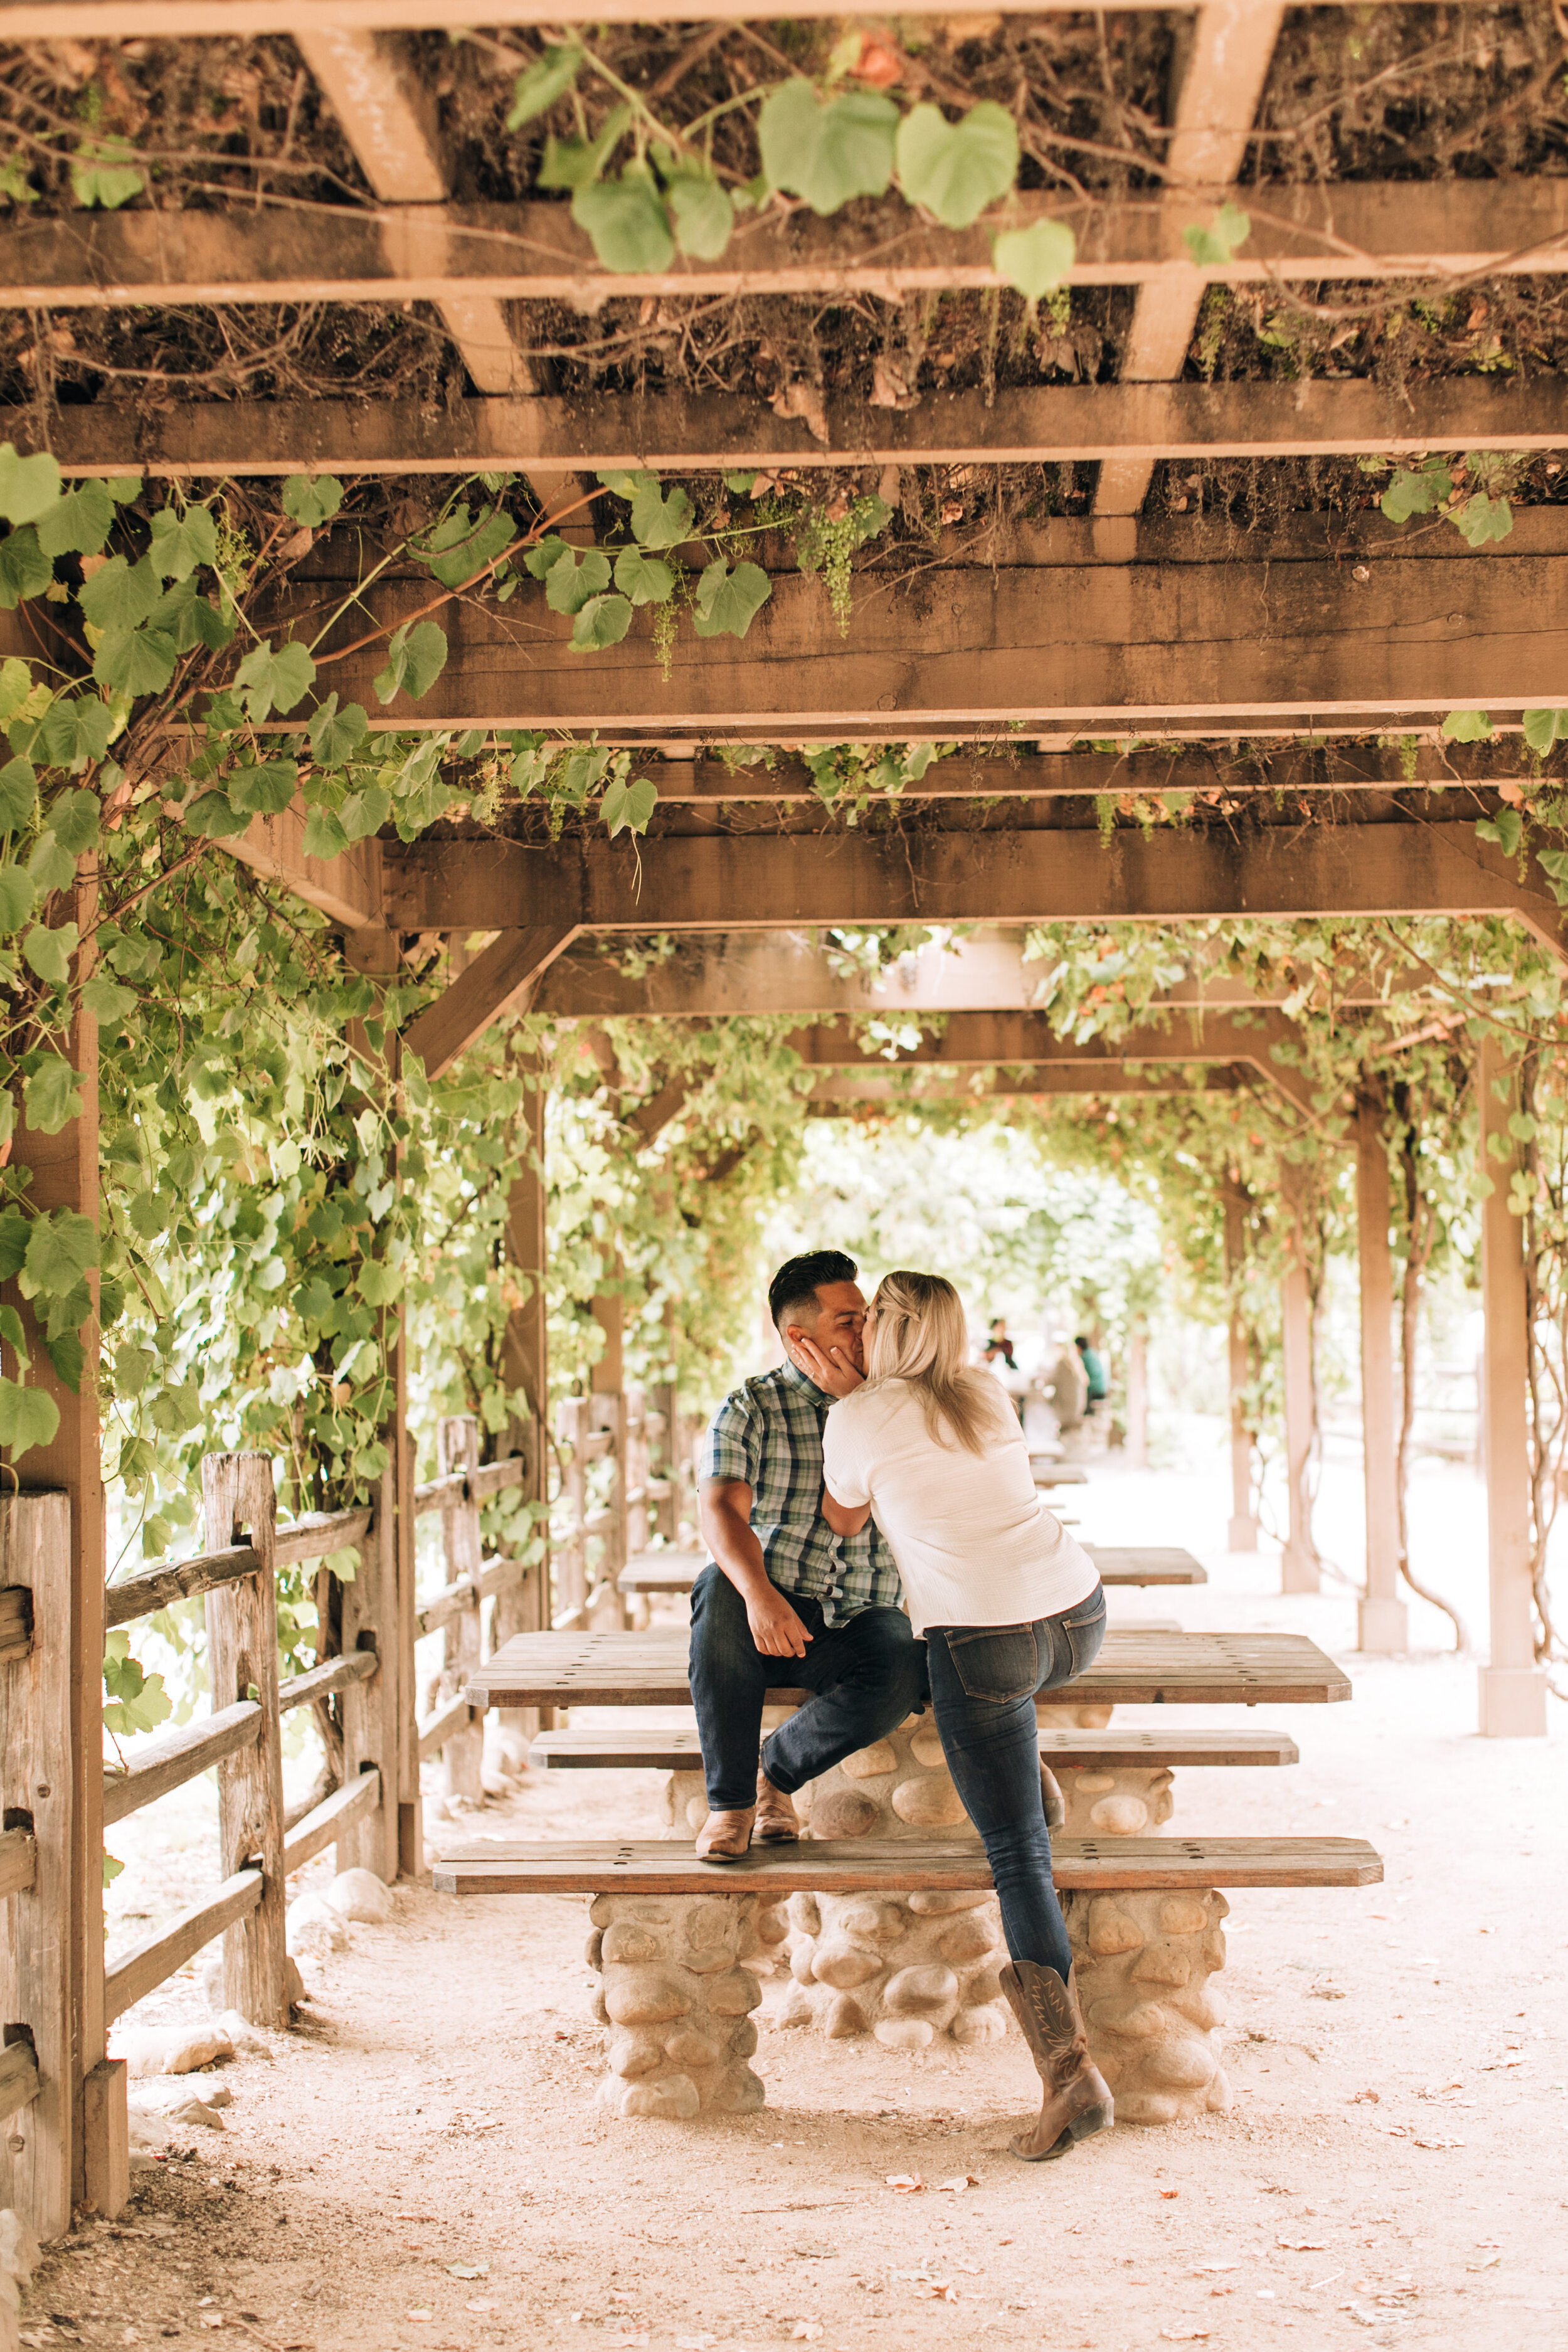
(676, 1996)
(1142, 1963)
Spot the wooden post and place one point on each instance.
(1512, 1686)
(608, 1411)
(1298, 1570)
(1242, 1534)
(463, 1753)
(526, 1607)
(242, 1663)
(664, 1485)
(1382, 1618)
(1138, 1395)
(571, 1561)
(38, 2143)
(371, 1709)
(400, 1449)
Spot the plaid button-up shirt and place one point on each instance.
(768, 1434)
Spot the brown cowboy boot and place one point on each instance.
(724, 1837)
(777, 1822)
(1077, 2101)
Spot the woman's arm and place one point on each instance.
(844, 1519)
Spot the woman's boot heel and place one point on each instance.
(1077, 2101)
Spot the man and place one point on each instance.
(784, 1600)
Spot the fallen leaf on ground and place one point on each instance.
(1490, 2264)
(1368, 2098)
(1358, 2312)
(1439, 2143)
(1170, 2193)
(468, 2270)
(479, 2306)
(418, 2314)
(959, 2183)
(905, 2182)
(1185, 2335)
(1204, 2270)
(1304, 2245)
(805, 2331)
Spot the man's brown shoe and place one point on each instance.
(777, 1822)
(724, 1837)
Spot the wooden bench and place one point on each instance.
(674, 1573)
(673, 1938)
(676, 1748)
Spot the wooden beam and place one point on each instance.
(1226, 67)
(846, 1093)
(760, 882)
(678, 431)
(346, 888)
(87, 20)
(1062, 642)
(1335, 231)
(495, 983)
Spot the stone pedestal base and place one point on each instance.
(1383, 1627)
(1513, 1703)
(1122, 1800)
(904, 1968)
(1142, 1962)
(1242, 1535)
(1299, 1571)
(676, 1996)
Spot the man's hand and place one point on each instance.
(776, 1629)
(832, 1370)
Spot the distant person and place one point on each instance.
(1007, 1605)
(785, 1599)
(998, 1353)
(1093, 1363)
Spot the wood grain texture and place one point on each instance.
(178, 1756)
(18, 1861)
(676, 1572)
(457, 1441)
(19, 2078)
(320, 1681)
(1133, 1669)
(498, 982)
(679, 1749)
(15, 1623)
(242, 1663)
(853, 1865)
(358, 1800)
(163, 1583)
(489, 1478)
(144, 1969)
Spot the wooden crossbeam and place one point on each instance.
(87, 20)
(1135, 423)
(498, 982)
(760, 882)
(1343, 230)
(1060, 638)
(849, 1094)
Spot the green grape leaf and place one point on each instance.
(69, 1356)
(1415, 491)
(13, 1336)
(416, 656)
(577, 574)
(629, 803)
(702, 213)
(62, 1250)
(73, 729)
(24, 569)
(15, 1232)
(18, 896)
(135, 1701)
(29, 486)
(826, 151)
(1507, 829)
(955, 169)
(1035, 260)
(742, 484)
(1542, 730)
(19, 795)
(627, 224)
(1467, 727)
(28, 1418)
(181, 542)
(577, 163)
(78, 523)
(49, 952)
(1481, 518)
(727, 602)
(134, 661)
(275, 680)
(644, 578)
(336, 735)
(51, 865)
(1216, 246)
(74, 819)
(214, 816)
(15, 686)
(459, 546)
(324, 836)
(603, 621)
(52, 1096)
(263, 790)
(365, 813)
(543, 558)
(539, 86)
(312, 499)
(119, 596)
(103, 174)
(106, 1000)
(659, 521)
(191, 619)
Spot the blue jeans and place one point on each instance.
(983, 1681)
(868, 1672)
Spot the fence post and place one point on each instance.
(570, 1557)
(242, 1662)
(38, 2143)
(369, 1709)
(607, 1411)
(463, 1753)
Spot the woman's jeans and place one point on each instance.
(984, 1681)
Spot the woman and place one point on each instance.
(1007, 1604)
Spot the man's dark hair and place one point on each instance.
(1082, 1340)
(793, 1288)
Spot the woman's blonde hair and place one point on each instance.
(920, 1335)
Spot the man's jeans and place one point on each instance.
(983, 1681)
(867, 1672)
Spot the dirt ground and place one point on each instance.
(422, 2163)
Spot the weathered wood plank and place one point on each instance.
(18, 1861)
(489, 1478)
(142, 1970)
(242, 1658)
(453, 1719)
(676, 1572)
(177, 1756)
(163, 1583)
(1133, 1669)
(853, 1865)
(357, 1801)
(15, 1623)
(320, 1681)
(19, 2078)
(1054, 423)
(498, 982)
(658, 1748)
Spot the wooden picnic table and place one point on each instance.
(670, 1571)
(1133, 1669)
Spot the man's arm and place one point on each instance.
(724, 1515)
(844, 1519)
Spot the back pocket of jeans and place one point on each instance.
(1085, 1632)
(997, 1662)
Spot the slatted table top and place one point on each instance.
(861, 1865)
(666, 1748)
(1059, 1474)
(677, 1572)
(1133, 1669)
